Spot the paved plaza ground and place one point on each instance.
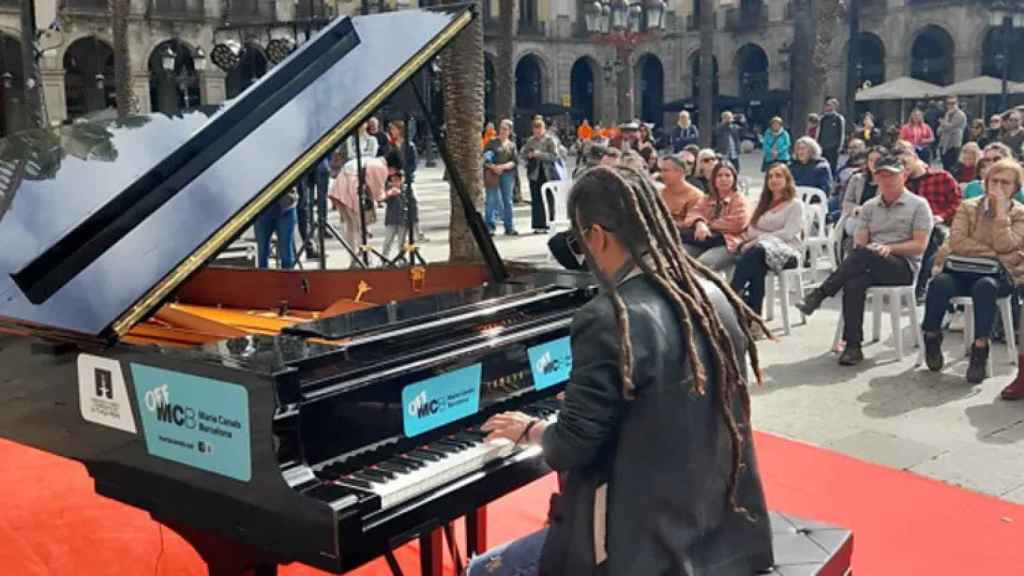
(885, 411)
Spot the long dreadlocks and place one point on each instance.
(625, 202)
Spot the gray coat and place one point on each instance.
(663, 458)
(951, 130)
(546, 148)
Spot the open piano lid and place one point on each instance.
(100, 222)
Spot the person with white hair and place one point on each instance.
(809, 168)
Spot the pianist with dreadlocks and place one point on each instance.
(653, 441)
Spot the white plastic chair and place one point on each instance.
(560, 190)
(817, 237)
(1005, 311)
(789, 279)
(898, 298)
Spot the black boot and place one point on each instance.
(933, 351)
(852, 355)
(977, 365)
(811, 302)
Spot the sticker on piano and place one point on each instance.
(443, 399)
(195, 421)
(102, 395)
(550, 362)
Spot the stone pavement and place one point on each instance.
(884, 411)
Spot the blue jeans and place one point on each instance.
(499, 199)
(517, 558)
(274, 219)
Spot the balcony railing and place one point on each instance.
(306, 9)
(533, 28)
(86, 6)
(178, 8)
(252, 11)
(740, 20)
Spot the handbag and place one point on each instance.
(976, 266)
(491, 178)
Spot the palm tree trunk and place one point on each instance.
(463, 78)
(707, 71)
(853, 68)
(504, 67)
(802, 91)
(122, 58)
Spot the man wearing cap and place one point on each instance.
(889, 240)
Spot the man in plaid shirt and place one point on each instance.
(942, 192)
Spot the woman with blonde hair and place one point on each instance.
(966, 169)
(992, 228)
(772, 240)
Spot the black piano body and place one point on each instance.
(267, 445)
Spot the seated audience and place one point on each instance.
(612, 156)
(707, 159)
(990, 227)
(772, 241)
(891, 236)
(991, 154)
(861, 188)
(942, 193)
(679, 195)
(966, 169)
(809, 168)
(714, 228)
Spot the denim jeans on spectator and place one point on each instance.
(517, 558)
(983, 290)
(282, 222)
(499, 199)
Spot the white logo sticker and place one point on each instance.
(102, 395)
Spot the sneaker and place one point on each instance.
(933, 351)
(511, 233)
(851, 356)
(811, 302)
(978, 364)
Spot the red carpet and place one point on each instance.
(903, 524)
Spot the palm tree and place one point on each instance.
(462, 68)
(34, 104)
(122, 59)
(504, 72)
(814, 28)
(707, 70)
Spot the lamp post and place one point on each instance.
(1006, 18)
(624, 24)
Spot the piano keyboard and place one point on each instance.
(418, 471)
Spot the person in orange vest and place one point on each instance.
(584, 132)
(489, 134)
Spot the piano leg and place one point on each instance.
(431, 553)
(476, 532)
(225, 557)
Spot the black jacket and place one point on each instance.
(665, 457)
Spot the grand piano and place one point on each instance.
(323, 416)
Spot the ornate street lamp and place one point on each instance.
(655, 10)
(227, 55)
(199, 59)
(636, 12)
(278, 49)
(168, 59)
(592, 12)
(620, 15)
(8, 79)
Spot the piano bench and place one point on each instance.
(807, 548)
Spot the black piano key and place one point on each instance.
(404, 461)
(438, 453)
(457, 443)
(425, 455)
(394, 467)
(362, 475)
(471, 439)
(378, 475)
(358, 482)
(443, 448)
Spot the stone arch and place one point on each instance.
(752, 67)
(650, 75)
(531, 82)
(932, 55)
(177, 90)
(585, 86)
(693, 64)
(992, 54)
(89, 83)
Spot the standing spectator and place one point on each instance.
(644, 139)
(373, 130)
(489, 134)
(727, 140)
(775, 144)
(679, 195)
(813, 121)
(951, 133)
(977, 133)
(942, 193)
(279, 219)
(584, 132)
(541, 151)
(966, 170)
(891, 235)
(809, 168)
(933, 114)
(1013, 134)
(363, 142)
(684, 133)
(715, 226)
(500, 159)
(773, 239)
(995, 128)
(991, 227)
(832, 132)
(867, 131)
(394, 220)
(919, 134)
(402, 156)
